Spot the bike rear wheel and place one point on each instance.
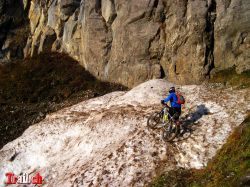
(154, 119)
(169, 132)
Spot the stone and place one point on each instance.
(56, 45)
(68, 7)
(34, 16)
(129, 42)
(47, 40)
(244, 180)
(71, 37)
(121, 49)
(108, 10)
(25, 4)
(53, 15)
(232, 30)
(27, 49)
(13, 27)
(184, 57)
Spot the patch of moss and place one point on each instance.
(229, 77)
(231, 162)
(178, 178)
(227, 168)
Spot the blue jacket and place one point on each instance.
(173, 100)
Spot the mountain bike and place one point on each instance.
(167, 122)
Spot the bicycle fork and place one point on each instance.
(165, 116)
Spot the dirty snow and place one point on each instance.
(105, 142)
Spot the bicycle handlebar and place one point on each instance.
(166, 105)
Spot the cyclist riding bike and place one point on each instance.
(175, 104)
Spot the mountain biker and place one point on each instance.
(175, 107)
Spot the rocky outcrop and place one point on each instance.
(232, 35)
(132, 41)
(13, 28)
(122, 37)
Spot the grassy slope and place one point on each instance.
(230, 163)
(227, 168)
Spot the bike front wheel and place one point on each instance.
(169, 132)
(154, 119)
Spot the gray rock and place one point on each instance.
(244, 181)
(47, 40)
(12, 22)
(129, 42)
(232, 35)
(68, 7)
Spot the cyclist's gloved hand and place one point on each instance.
(162, 102)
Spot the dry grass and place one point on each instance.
(32, 88)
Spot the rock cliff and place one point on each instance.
(14, 28)
(131, 41)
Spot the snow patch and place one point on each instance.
(105, 141)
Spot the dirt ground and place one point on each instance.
(32, 88)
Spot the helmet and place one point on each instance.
(171, 90)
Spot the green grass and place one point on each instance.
(226, 169)
(229, 77)
(178, 178)
(230, 163)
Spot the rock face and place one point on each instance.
(232, 35)
(131, 41)
(13, 29)
(105, 141)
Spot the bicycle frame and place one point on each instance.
(170, 126)
(165, 113)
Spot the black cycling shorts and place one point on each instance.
(174, 112)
